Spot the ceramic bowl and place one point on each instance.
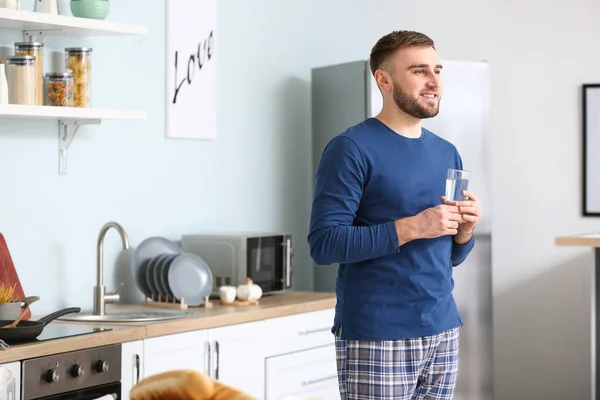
(95, 9)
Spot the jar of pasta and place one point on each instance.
(78, 62)
(21, 78)
(35, 49)
(59, 89)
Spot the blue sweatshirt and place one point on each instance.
(368, 177)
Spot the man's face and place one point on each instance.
(417, 86)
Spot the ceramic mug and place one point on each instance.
(227, 294)
(12, 4)
(10, 310)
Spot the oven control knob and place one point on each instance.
(77, 371)
(52, 376)
(102, 366)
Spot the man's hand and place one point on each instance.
(431, 223)
(471, 211)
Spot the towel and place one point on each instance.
(107, 397)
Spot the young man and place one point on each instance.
(379, 211)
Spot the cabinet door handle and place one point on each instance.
(207, 358)
(216, 360)
(315, 381)
(311, 331)
(136, 369)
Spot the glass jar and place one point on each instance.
(21, 77)
(59, 89)
(35, 49)
(78, 62)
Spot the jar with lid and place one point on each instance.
(59, 89)
(78, 62)
(35, 49)
(21, 77)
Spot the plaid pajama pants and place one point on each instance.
(409, 369)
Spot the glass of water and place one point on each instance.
(457, 180)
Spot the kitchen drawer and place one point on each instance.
(305, 373)
(299, 332)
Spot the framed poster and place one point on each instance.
(591, 150)
(191, 57)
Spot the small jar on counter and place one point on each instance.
(59, 89)
(35, 49)
(21, 77)
(78, 62)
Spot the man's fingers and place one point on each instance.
(470, 195)
(468, 210)
(469, 218)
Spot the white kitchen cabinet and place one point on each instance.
(237, 356)
(290, 355)
(299, 332)
(132, 366)
(187, 350)
(15, 370)
(304, 373)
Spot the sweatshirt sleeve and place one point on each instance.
(461, 251)
(332, 238)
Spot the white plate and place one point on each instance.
(147, 249)
(190, 278)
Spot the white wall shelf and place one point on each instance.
(70, 113)
(69, 119)
(64, 25)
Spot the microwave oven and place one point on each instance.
(266, 258)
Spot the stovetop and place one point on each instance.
(58, 331)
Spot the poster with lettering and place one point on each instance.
(191, 93)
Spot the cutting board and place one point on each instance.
(8, 273)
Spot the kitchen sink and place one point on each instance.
(126, 316)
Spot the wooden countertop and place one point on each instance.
(203, 318)
(585, 240)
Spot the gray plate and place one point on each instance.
(146, 250)
(190, 278)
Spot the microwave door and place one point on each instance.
(265, 262)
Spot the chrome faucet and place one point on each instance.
(101, 297)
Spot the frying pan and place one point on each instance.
(29, 330)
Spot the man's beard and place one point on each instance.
(412, 107)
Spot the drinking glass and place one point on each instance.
(457, 180)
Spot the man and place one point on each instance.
(379, 211)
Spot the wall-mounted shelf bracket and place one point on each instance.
(40, 35)
(67, 129)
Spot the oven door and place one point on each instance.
(112, 389)
(270, 262)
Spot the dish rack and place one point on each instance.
(158, 301)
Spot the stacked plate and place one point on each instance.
(164, 273)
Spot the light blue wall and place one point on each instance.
(255, 176)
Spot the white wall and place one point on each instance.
(255, 176)
(540, 53)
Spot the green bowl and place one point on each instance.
(95, 9)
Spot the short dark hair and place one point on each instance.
(392, 42)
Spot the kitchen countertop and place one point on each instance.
(274, 306)
(585, 240)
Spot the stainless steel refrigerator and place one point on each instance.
(346, 94)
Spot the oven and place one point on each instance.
(87, 374)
